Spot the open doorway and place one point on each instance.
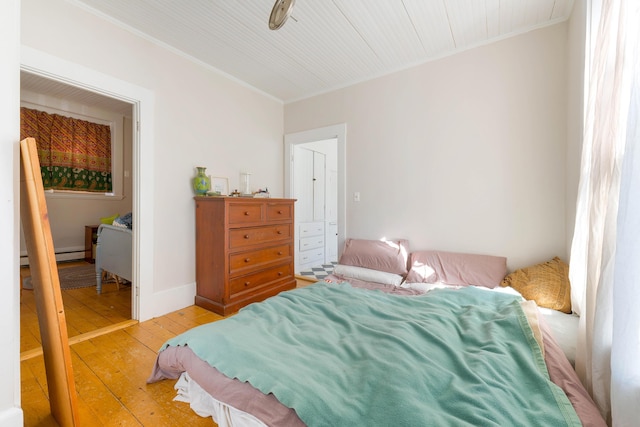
(75, 217)
(315, 176)
(315, 188)
(145, 303)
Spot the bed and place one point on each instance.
(113, 253)
(363, 349)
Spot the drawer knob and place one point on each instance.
(246, 236)
(247, 283)
(279, 212)
(247, 259)
(279, 231)
(279, 273)
(246, 213)
(279, 252)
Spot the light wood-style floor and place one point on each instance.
(110, 366)
(86, 311)
(110, 374)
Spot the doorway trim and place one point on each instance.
(48, 66)
(339, 132)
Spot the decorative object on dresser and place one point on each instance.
(244, 251)
(219, 186)
(201, 182)
(245, 183)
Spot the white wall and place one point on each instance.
(201, 119)
(10, 412)
(466, 153)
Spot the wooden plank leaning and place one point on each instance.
(46, 287)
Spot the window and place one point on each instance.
(80, 156)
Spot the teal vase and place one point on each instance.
(201, 182)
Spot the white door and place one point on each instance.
(303, 184)
(318, 186)
(331, 219)
(309, 191)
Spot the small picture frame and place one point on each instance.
(219, 186)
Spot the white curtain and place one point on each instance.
(605, 253)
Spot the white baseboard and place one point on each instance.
(70, 256)
(12, 417)
(62, 254)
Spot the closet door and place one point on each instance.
(331, 216)
(303, 184)
(319, 160)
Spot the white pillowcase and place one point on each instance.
(426, 287)
(368, 275)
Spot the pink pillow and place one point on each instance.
(382, 255)
(456, 268)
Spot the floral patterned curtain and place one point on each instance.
(74, 154)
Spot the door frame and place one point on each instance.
(339, 132)
(48, 66)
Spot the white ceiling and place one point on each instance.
(55, 89)
(330, 43)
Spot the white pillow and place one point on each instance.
(368, 275)
(426, 287)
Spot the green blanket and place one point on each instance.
(342, 356)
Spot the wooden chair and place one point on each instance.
(46, 287)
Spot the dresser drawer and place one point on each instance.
(245, 213)
(311, 229)
(314, 257)
(251, 259)
(279, 212)
(241, 237)
(311, 243)
(250, 281)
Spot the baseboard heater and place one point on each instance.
(63, 254)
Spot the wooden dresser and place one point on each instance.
(244, 251)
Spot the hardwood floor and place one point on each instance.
(111, 372)
(111, 361)
(85, 310)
